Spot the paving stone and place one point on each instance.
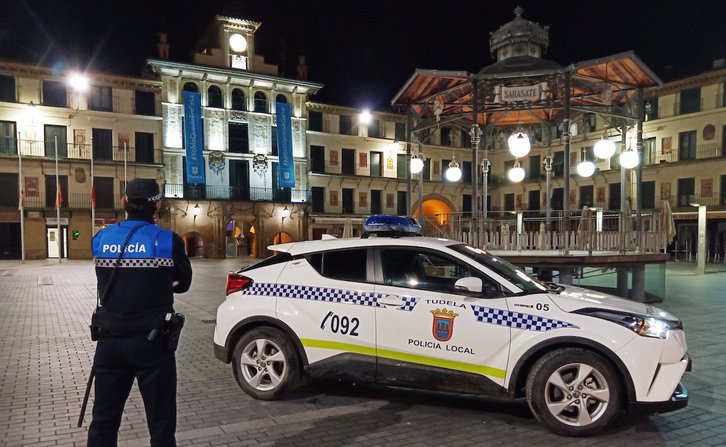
(46, 353)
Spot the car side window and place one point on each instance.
(344, 265)
(428, 270)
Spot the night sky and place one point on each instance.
(363, 51)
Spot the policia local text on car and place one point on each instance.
(139, 267)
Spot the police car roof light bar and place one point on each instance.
(391, 226)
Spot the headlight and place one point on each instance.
(644, 325)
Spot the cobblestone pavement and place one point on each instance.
(46, 352)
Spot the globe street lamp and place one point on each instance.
(519, 144)
(604, 148)
(516, 174)
(586, 168)
(453, 174)
(629, 159)
(417, 164)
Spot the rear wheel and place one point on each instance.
(265, 363)
(574, 392)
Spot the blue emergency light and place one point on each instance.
(392, 226)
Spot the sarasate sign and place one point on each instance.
(528, 93)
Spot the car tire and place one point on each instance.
(574, 392)
(265, 363)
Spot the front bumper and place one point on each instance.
(221, 353)
(678, 400)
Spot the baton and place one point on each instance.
(85, 398)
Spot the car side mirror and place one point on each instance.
(468, 284)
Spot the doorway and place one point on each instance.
(194, 244)
(56, 245)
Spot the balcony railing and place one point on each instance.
(74, 200)
(73, 151)
(222, 192)
(701, 151)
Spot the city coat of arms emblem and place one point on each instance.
(443, 327)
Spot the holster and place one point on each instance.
(172, 330)
(95, 330)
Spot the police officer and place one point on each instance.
(132, 316)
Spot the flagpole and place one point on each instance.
(93, 201)
(57, 202)
(21, 205)
(125, 176)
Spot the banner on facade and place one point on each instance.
(284, 146)
(193, 137)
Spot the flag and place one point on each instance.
(58, 197)
(93, 196)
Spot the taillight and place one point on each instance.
(236, 283)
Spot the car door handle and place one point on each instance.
(391, 300)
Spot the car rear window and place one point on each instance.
(344, 265)
(272, 260)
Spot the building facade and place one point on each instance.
(348, 163)
(89, 134)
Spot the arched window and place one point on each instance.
(214, 97)
(191, 87)
(260, 102)
(238, 99)
(281, 98)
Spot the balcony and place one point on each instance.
(73, 151)
(74, 201)
(700, 152)
(222, 192)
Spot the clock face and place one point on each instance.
(237, 43)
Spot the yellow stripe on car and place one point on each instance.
(405, 357)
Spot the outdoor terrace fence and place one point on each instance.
(618, 231)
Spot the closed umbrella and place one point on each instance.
(668, 226)
(347, 228)
(583, 229)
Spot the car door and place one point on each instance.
(329, 303)
(430, 335)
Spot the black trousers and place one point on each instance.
(118, 362)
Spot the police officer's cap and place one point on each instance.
(142, 190)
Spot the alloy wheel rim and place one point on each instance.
(263, 364)
(577, 394)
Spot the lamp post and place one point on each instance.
(484, 192)
(548, 211)
(701, 250)
(417, 164)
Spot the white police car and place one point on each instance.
(439, 314)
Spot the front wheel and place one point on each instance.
(574, 392)
(265, 363)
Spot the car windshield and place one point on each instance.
(512, 273)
